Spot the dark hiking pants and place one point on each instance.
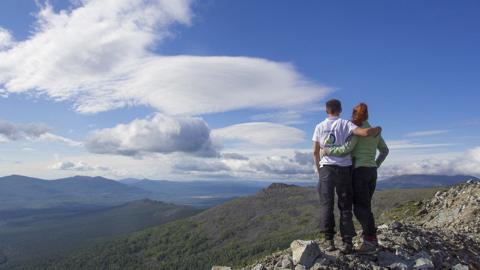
(339, 179)
(364, 183)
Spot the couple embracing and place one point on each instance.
(345, 154)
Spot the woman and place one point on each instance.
(365, 163)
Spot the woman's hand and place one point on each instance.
(325, 151)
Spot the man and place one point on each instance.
(335, 173)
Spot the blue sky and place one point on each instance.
(415, 63)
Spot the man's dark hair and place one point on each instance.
(334, 106)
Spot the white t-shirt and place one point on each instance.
(334, 131)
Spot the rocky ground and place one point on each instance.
(456, 210)
(443, 234)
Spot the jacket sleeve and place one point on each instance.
(344, 149)
(383, 148)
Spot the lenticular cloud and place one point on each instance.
(98, 55)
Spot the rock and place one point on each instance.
(460, 266)
(402, 253)
(304, 252)
(318, 266)
(398, 266)
(259, 267)
(221, 268)
(383, 227)
(395, 225)
(423, 264)
(300, 267)
(286, 262)
(386, 259)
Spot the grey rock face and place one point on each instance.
(304, 252)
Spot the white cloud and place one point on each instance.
(463, 163)
(260, 134)
(6, 40)
(32, 131)
(99, 55)
(290, 116)
(13, 132)
(157, 134)
(77, 166)
(280, 167)
(203, 166)
(406, 144)
(426, 133)
(50, 137)
(292, 167)
(234, 156)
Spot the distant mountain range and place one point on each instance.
(80, 193)
(18, 191)
(84, 192)
(422, 181)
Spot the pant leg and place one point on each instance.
(344, 187)
(373, 183)
(327, 198)
(364, 182)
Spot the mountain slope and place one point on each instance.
(22, 241)
(236, 232)
(422, 181)
(442, 234)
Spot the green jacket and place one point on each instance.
(363, 150)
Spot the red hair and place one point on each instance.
(360, 114)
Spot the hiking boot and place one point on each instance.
(367, 247)
(347, 248)
(330, 245)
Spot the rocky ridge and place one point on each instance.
(444, 234)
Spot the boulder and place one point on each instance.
(304, 252)
(423, 264)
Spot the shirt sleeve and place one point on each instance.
(316, 134)
(383, 148)
(344, 149)
(351, 127)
